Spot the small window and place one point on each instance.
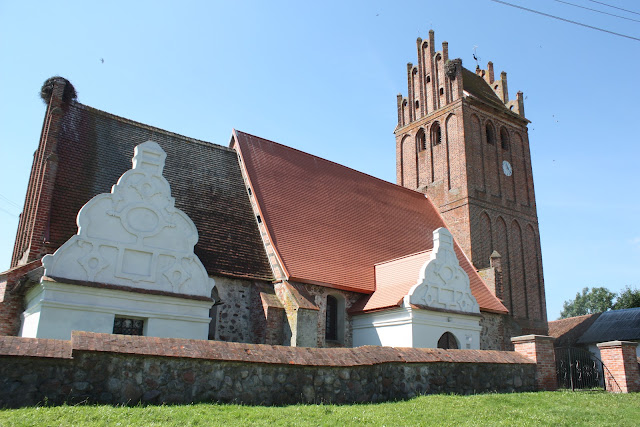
(259, 219)
(249, 190)
(491, 137)
(125, 326)
(436, 134)
(417, 104)
(504, 139)
(441, 91)
(428, 79)
(448, 341)
(421, 140)
(331, 320)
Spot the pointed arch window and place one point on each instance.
(448, 341)
(504, 139)
(331, 326)
(491, 134)
(436, 134)
(421, 140)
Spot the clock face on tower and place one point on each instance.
(506, 168)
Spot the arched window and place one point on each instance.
(491, 134)
(436, 134)
(331, 325)
(504, 139)
(448, 341)
(421, 140)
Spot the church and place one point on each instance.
(131, 229)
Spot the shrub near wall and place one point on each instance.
(103, 368)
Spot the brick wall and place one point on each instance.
(112, 369)
(539, 349)
(12, 297)
(621, 373)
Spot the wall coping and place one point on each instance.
(617, 344)
(532, 337)
(240, 352)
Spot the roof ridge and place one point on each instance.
(403, 257)
(149, 127)
(335, 163)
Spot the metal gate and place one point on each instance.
(578, 369)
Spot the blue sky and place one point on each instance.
(323, 77)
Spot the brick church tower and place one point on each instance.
(463, 143)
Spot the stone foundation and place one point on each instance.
(111, 369)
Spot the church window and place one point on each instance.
(504, 139)
(436, 134)
(491, 137)
(421, 140)
(126, 326)
(448, 341)
(331, 324)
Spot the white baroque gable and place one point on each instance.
(134, 236)
(442, 282)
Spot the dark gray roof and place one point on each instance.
(95, 148)
(477, 86)
(614, 325)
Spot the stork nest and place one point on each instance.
(69, 93)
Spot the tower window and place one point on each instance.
(441, 91)
(421, 140)
(331, 319)
(504, 139)
(491, 136)
(436, 134)
(448, 341)
(417, 104)
(428, 79)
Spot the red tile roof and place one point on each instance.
(330, 225)
(568, 331)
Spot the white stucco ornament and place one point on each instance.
(442, 282)
(134, 236)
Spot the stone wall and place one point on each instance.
(116, 369)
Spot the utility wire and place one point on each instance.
(11, 202)
(596, 10)
(566, 20)
(615, 7)
(8, 213)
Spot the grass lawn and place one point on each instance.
(549, 408)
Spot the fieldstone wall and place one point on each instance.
(104, 368)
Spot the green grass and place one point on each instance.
(551, 408)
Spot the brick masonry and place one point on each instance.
(621, 373)
(117, 369)
(462, 171)
(539, 348)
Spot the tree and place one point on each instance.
(629, 298)
(591, 301)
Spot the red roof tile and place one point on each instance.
(330, 225)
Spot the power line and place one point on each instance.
(11, 202)
(8, 213)
(615, 7)
(566, 20)
(596, 10)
